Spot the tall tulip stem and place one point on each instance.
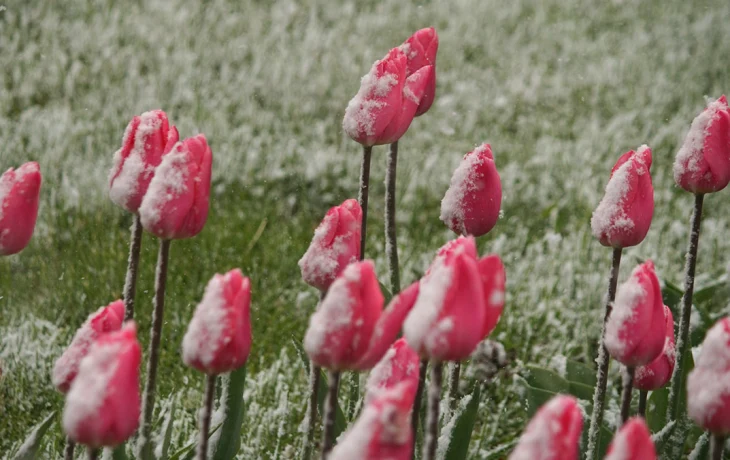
(130, 282)
(454, 373)
(311, 421)
(391, 245)
(68, 452)
(422, 368)
(626, 393)
(205, 416)
(717, 445)
(92, 453)
(362, 197)
(432, 417)
(330, 411)
(643, 394)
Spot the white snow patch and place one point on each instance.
(320, 261)
(359, 112)
(465, 180)
(168, 183)
(689, 156)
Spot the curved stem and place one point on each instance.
(330, 405)
(68, 452)
(423, 367)
(432, 417)
(205, 416)
(454, 384)
(391, 245)
(626, 393)
(363, 196)
(130, 282)
(642, 402)
(92, 453)
(717, 445)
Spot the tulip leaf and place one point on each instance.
(229, 440)
(167, 430)
(545, 379)
(671, 295)
(702, 447)
(461, 433)
(340, 423)
(188, 452)
(29, 449)
(580, 373)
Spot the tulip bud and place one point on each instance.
(19, 194)
(399, 364)
(553, 433)
(632, 442)
(420, 50)
(657, 373)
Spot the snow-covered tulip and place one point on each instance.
(104, 320)
(176, 203)
(218, 338)
(399, 364)
(384, 107)
(472, 202)
(702, 164)
(102, 407)
(623, 216)
(143, 144)
(657, 373)
(708, 384)
(553, 433)
(632, 442)
(635, 331)
(19, 194)
(336, 243)
(420, 50)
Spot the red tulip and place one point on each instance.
(553, 433)
(632, 442)
(103, 404)
(623, 216)
(336, 243)
(19, 193)
(143, 144)
(399, 364)
(104, 320)
(635, 331)
(176, 203)
(218, 339)
(708, 384)
(703, 162)
(472, 202)
(384, 107)
(420, 50)
(657, 373)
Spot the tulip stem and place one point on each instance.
(391, 245)
(311, 421)
(92, 453)
(148, 405)
(627, 392)
(454, 384)
(642, 402)
(205, 416)
(683, 336)
(130, 282)
(423, 367)
(330, 410)
(432, 416)
(717, 445)
(363, 196)
(69, 450)
(599, 393)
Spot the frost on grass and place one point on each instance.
(464, 181)
(689, 157)
(203, 337)
(629, 295)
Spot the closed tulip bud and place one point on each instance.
(103, 405)
(104, 320)
(553, 433)
(702, 164)
(635, 331)
(623, 216)
(384, 107)
(420, 50)
(657, 373)
(218, 338)
(176, 203)
(632, 442)
(472, 202)
(19, 194)
(336, 243)
(144, 142)
(399, 364)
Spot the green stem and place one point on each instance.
(626, 394)
(363, 196)
(717, 445)
(432, 417)
(130, 282)
(416, 412)
(642, 402)
(69, 450)
(391, 244)
(205, 416)
(454, 384)
(330, 410)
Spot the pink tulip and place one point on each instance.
(657, 373)
(632, 442)
(218, 338)
(104, 320)
(336, 243)
(399, 364)
(176, 203)
(472, 202)
(146, 138)
(420, 50)
(708, 384)
(623, 216)
(635, 331)
(384, 107)
(19, 193)
(703, 162)
(553, 433)
(103, 404)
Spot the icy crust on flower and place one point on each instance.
(708, 384)
(170, 181)
(629, 296)
(553, 432)
(467, 179)
(204, 336)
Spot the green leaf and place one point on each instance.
(167, 429)
(682, 430)
(461, 433)
(580, 373)
(340, 423)
(29, 449)
(229, 440)
(702, 447)
(672, 295)
(656, 409)
(188, 452)
(545, 379)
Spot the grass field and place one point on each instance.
(559, 88)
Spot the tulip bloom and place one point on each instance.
(19, 193)
(420, 50)
(145, 140)
(399, 364)
(657, 373)
(104, 320)
(623, 216)
(176, 203)
(102, 406)
(553, 433)
(218, 338)
(632, 442)
(336, 243)
(702, 164)
(384, 107)
(635, 331)
(708, 385)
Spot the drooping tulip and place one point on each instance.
(632, 442)
(19, 196)
(145, 140)
(623, 216)
(218, 338)
(336, 243)
(176, 203)
(472, 202)
(420, 50)
(553, 433)
(702, 164)
(635, 331)
(104, 320)
(103, 405)
(384, 107)
(399, 364)
(657, 373)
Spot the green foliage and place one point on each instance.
(229, 440)
(461, 433)
(30, 447)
